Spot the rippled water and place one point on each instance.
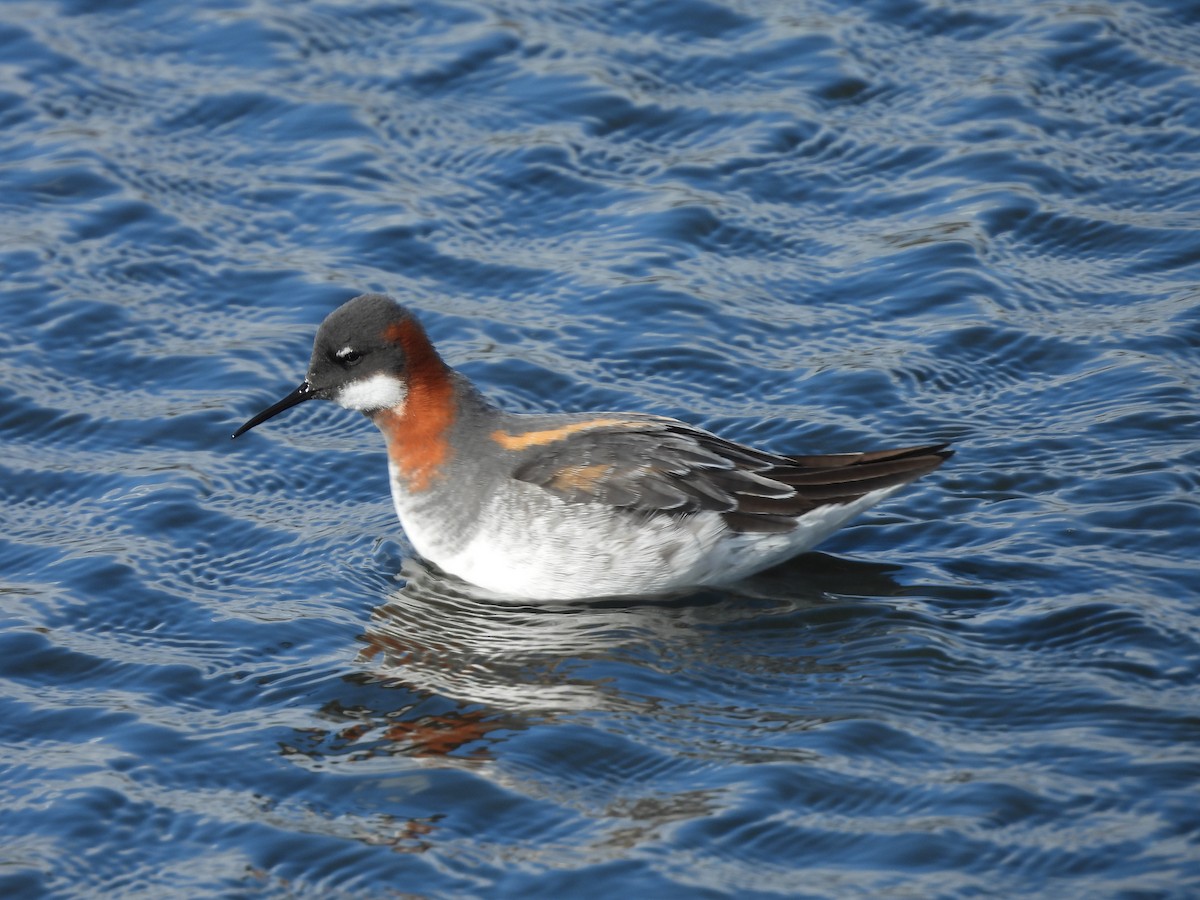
(812, 226)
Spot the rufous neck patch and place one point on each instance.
(418, 435)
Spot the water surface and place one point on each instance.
(811, 226)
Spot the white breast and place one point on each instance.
(531, 545)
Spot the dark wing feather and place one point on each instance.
(660, 465)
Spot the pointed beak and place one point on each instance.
(299, 395)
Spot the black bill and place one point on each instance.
(299, 395)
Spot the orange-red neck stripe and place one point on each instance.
(418, 437)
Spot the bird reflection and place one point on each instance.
(452, 671)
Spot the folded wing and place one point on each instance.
(660, 465)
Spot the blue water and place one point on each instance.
(812, 226)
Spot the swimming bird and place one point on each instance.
(572, 506)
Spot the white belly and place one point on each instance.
(528, 544)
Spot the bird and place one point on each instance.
(572, 506)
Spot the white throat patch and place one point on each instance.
(380, 391)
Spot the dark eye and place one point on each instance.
(348, 356)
